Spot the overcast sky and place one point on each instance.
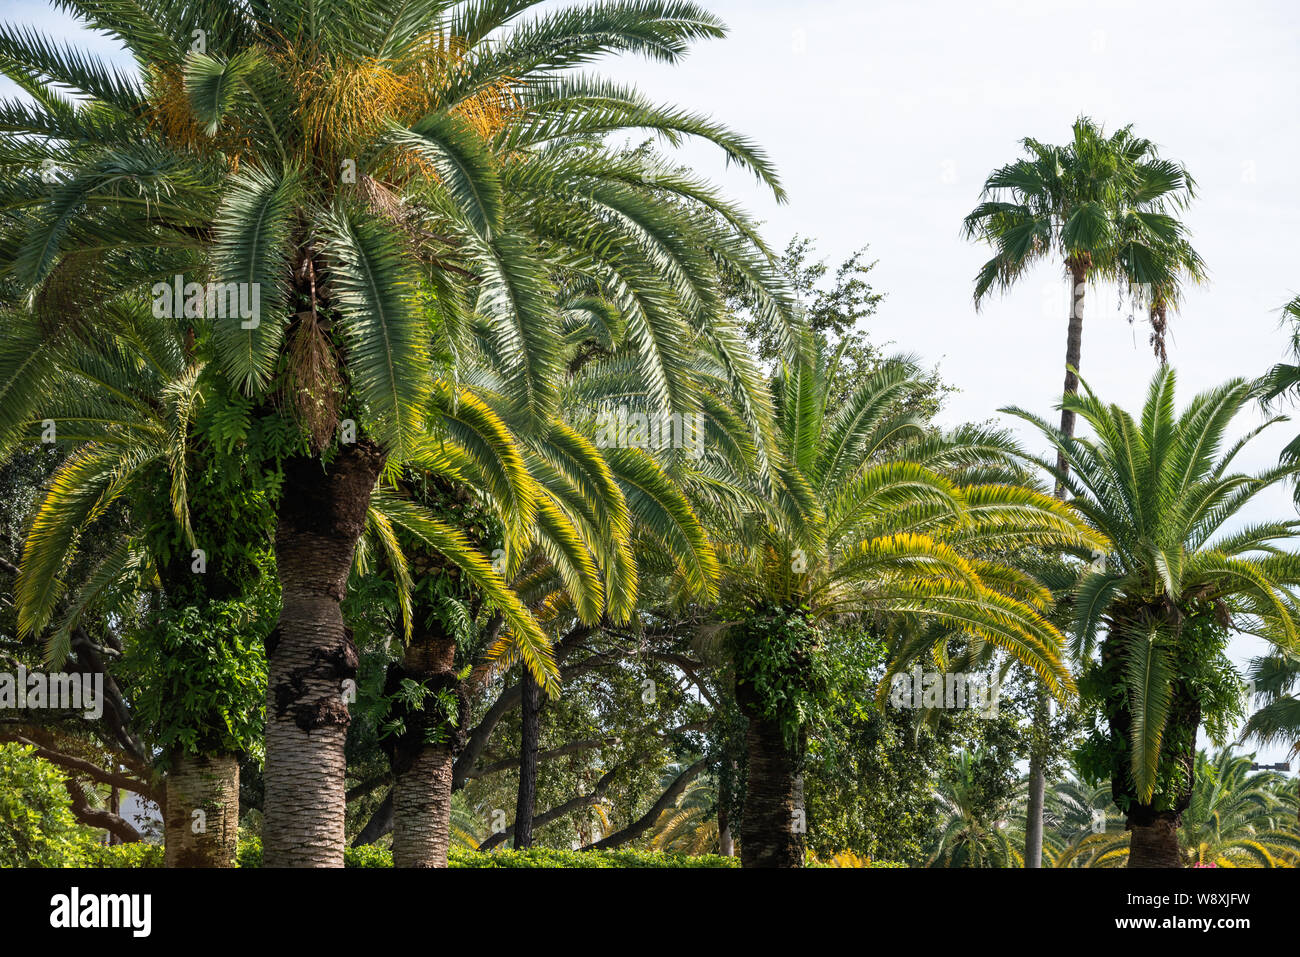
(885, 117)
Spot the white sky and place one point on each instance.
(885, 117)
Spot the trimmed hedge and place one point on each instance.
(250, 855)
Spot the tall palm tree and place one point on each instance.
(1175, 585)
(873, 518)
(1104, 206)
(350, 169)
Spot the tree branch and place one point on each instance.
(646, 821)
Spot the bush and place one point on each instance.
(138, 854)
(548, 857)
(250, 855)
(37, 828)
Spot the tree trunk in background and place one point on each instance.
(1038, 760)
(207, 783)
(423, 771)
(1155, 844)
(310, 656)
(530, 732)
(726, 844)
(768, 833)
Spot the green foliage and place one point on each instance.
(1180, 575)
(250, 855)
(37, 828)
(781, 663)
(135, 854)
(199, 676)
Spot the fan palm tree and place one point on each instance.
(1172, 589)
(1103, 205)
(342, 173)
(874, 518)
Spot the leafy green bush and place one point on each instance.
(202, 678)
(250, 855)
(549, 857)
(37, 828)
(139, 854)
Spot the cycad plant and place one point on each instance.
(334, 186)
(872, 518)
(1181, 576)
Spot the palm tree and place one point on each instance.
(969, 834)
(1172, 589)
(1283, 380)
(1234, 819)
(133, 411)
(352, 170)
(872, 518)
(1276, 721)
(1239, 818)
(1102, 205)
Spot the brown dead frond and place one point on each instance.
(313, 381)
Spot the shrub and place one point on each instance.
(37, 828)
(138, 854)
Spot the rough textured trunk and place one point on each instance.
(771, 835)
(530, 731)
(1155, 844)
(423, 771)
(1037, 785)
(310, 656)
(1037, 760)
(208, 784)
(422, 810)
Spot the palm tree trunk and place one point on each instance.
(310, 656)
(423, 771)
(530, 727)
(1155, 844)
(768, 831)
(1037, 760)
(202, 817)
